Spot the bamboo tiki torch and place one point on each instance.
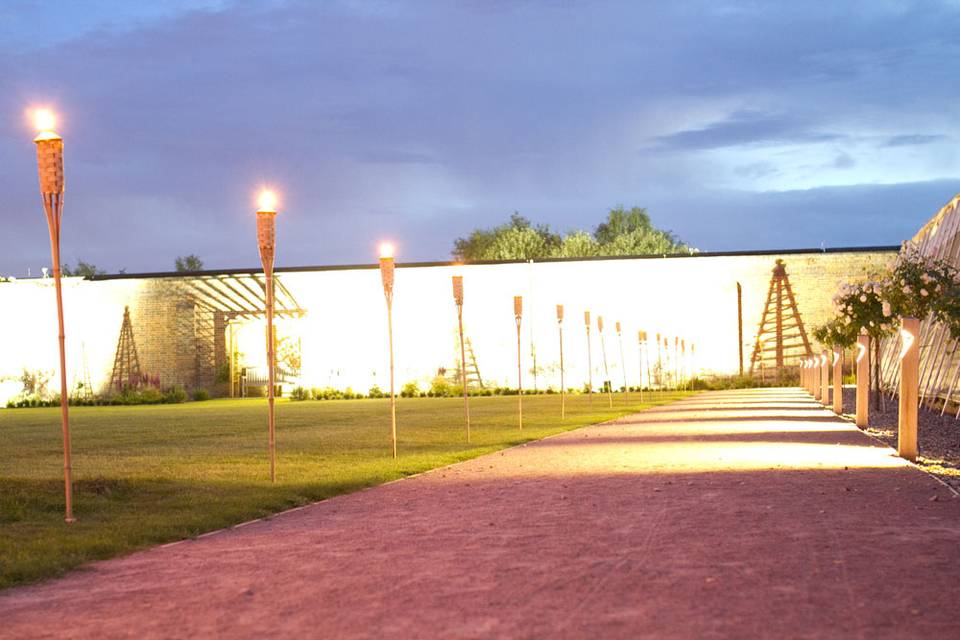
(266, 239)
(606, 371)
(386, 276)
(50, 171)
(518, 315)
(586, 323)
(458, 300)
(563, 389)
(623, 364)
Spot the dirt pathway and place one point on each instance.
(727, 515)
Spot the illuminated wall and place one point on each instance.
(342, 336)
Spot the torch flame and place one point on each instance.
(44, 120)
(386, 250)
(267, 201)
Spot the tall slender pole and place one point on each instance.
(386, 276)
(606, 371)
(50, 171)
(518, 315)
(740, 325)
(641, 337)
(659, 364)
(586, 322)
(563, 389)
(458, 300)
(623, 364)
(676, 363)
(266, 238)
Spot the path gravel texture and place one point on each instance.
(737, 514)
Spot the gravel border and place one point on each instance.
(939, 436)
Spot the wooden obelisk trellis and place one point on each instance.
(781, 333)
(126, 363)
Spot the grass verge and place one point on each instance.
(146, 475)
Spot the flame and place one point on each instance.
(386, 250)
(44, 120)
(267, 201)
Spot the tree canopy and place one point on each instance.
(623, 233)
(188, 263)
(84, 269)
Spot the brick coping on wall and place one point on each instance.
(347, 267)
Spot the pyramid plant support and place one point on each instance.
(780, 325)
(126, 362)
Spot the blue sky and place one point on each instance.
(747, 125)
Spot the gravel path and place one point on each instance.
(727, 515)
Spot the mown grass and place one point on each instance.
(152, 474)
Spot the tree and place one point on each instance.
(188, 263)
(623, 233)
(82, 270)
(516, 240)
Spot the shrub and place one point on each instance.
(441, 388)
(199, 395)
(172, 395)
(410, 390)
(375, 392)
(299, 393)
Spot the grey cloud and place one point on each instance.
(745, 128)
(423, 120)
(914, 139)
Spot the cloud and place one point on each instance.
(914, 139)
(421, 121)
(746, 128)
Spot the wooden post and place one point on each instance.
(815, 381)
(838, 380)
(825, 378)
(863, 380)
(909, 388)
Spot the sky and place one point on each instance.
(738, 125)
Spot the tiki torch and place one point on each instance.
(623, 364)
(386, 275)
(641, 338)
(563, 390)
(267, 239)
(518, 315)
(458, 300)
(586, 323)
(659, 364)
(606, 370)
(50, 170)
(676, 362)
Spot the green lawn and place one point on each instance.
(152, 474)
